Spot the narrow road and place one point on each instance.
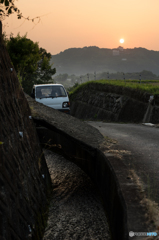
(143, 143)
(75, 212)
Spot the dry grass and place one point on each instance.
(34, 113)
(151, 206)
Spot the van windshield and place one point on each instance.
(50, 91)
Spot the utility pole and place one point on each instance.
(88, 76)
(108, 75)
(94, 75)
(124, 76)
(140, 78)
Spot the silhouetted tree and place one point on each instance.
(31, 63)
(8, 7)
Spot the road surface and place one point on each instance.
(143, 143)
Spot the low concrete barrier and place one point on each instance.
(97, 166)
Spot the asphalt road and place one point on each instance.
(143, 143)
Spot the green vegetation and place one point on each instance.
(31, 63)
(7, 7)
(70, 89)
(70, 80)
(149, 86)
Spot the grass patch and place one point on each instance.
(77, 87)
(149, 86)
(34, 113)
(151, 206)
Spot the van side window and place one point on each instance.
(38, 92)
(62, 91)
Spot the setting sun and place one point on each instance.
(75, 23)
(121, 40)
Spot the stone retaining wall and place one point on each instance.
(113, 103)
(24, 179)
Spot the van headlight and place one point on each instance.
(65, 104)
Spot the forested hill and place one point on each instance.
(93, 59)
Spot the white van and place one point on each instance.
(52, 95)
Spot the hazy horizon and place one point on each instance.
(76, 24)
(105, 48)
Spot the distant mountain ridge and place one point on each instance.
(93, 59)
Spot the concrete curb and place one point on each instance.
(98, 167)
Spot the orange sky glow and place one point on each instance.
(79, 23)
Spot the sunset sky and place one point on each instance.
(79, 23)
